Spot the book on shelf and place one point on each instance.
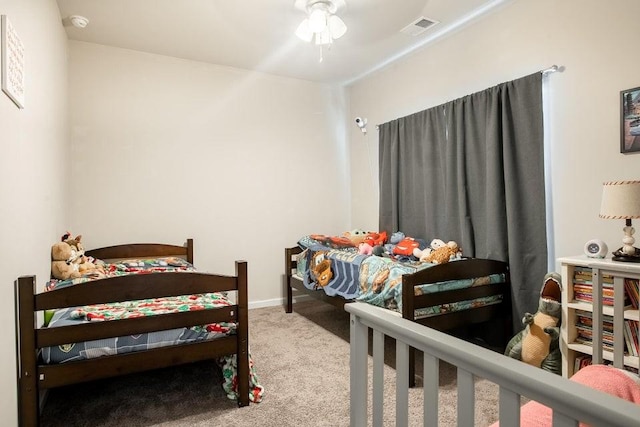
(584, 324)
(631, 337)
(585, 275)
(583, 288)
(631, 288)
(581, 362)
(586, 360)
(585, 318)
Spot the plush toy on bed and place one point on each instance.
(68, 260)
(538, 343)
(85, 264)
(356, 236)
(321, 268)
(365, 248)
(63, 262)
(439, 252)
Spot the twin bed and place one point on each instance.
(453, 295)
(152, 297)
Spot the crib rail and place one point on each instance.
(571, 402)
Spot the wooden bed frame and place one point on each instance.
(463, 269)
(34, 377)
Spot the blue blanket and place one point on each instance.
(345, 266)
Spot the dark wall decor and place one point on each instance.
(630, 120)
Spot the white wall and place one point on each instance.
(245, 163)
(33, 170)
(595, 41)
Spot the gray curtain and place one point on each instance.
(472, 170)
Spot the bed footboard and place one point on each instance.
(569, 400)
(499, 314)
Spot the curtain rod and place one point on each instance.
(551, 69)
(554, 68)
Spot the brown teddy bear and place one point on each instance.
(439, 252)
(68, 260)
(63, 262)
(85, 265)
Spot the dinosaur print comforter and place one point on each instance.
(141, 308)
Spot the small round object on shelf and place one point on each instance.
(595, 248)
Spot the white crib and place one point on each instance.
(571, 402)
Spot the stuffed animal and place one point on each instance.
(538, 343)
(356, 236)
(365, 249)
(68, 260)
(321, 268)
(85, 264)
(396, 237)
(406, 246)
(63, 262)
(439, 252)
(375, 239)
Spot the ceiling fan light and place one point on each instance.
(337, 27)
(318, 20)
(324, 37)
(303, 32)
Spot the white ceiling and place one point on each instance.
(259, 34)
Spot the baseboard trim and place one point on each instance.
(276, 301)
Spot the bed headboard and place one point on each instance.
(137, 250)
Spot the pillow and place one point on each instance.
(608, 379)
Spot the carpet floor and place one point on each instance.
(302, 360)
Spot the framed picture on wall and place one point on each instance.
(630, 120)
(12, 53)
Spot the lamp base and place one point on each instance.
(621, 256)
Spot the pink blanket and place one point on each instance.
(600, 377)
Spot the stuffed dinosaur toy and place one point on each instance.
(538, 343)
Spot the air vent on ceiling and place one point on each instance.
(419, 26)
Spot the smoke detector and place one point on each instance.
(419, 26)
(78, 21)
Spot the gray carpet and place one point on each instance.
(302, 360)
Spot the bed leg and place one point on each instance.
(288, 253)
(289, 308)
(28, 395)
(242, 357)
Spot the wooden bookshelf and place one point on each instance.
(620, 311)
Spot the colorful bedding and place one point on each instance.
(345, 267)
(378, 280)
(141, 308)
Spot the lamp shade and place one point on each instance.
(620, 200)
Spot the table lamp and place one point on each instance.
(621, 200)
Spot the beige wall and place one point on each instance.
(33, 169)
(245, 163)
(595, 41)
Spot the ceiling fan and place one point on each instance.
(321, 24)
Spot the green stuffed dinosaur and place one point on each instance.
(538, 343)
